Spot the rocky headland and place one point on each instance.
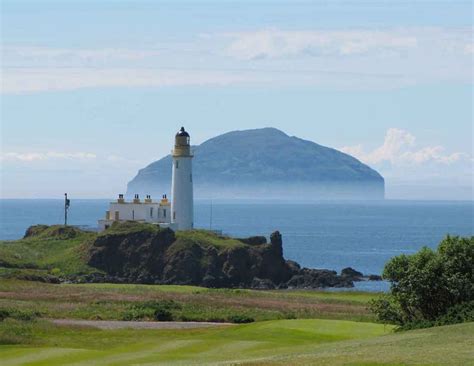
(132, 252)
(203, 259)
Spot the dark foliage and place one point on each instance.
(158, 310)
(430, 287)
(18, 314)
(241, 319)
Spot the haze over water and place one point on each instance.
(333, 235)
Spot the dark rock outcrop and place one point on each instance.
(373, 277)
(352, 274)
(161, 256)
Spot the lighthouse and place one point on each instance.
(182, 209)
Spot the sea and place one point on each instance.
(332, 235)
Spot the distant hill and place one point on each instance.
(266, 164)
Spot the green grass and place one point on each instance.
(446, 345)
(206, 238)
(112, 301)
(65, 253)
(45, 344)
(281, 342)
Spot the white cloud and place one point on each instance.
(17, 81)
(337, 59)
(399, 148)
(278, 43)
(42, 156)
(15, 56)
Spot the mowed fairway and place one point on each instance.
(279, 342)
(346, 336)
(58, 345)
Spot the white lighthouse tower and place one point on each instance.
(182, 208)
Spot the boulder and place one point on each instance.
(351, 273)
(373, 277)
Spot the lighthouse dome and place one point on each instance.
(182, 132)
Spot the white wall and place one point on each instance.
(141, 211)
(182, 207)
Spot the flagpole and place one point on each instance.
(65, 209)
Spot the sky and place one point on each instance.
(93, 91)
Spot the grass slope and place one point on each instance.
(55, 248)
(54, 345)
(446, 345)
(280, 342)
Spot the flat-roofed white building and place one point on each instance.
(148, 210)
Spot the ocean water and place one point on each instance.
(329, 235)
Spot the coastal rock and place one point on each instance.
(318, 278)
(140, 253)
(352, 274)
(262, 284)
(373, 277)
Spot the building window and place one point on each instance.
(133, 214)
(174, 215)
(191, 178)
(164, 213)
(176, 164)
(151, 211)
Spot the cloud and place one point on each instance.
(51, 155)
(17, 81)
(18, 56)
(399, 148)
(343, 59)
(278, 44)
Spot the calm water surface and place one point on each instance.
(319, 235)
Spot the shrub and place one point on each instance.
(240, 319)
(17, 314)
(161, 310)
(430, 287)
(163, 314)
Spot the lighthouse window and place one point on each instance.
(177, 165)
(151, 212)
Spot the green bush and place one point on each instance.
(429, 287)
(17, 314)
(163, 314)
(161, 310)
(240, 319)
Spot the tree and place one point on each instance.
(426, 285)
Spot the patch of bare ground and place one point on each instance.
(121, 324)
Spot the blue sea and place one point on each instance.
(333, 235)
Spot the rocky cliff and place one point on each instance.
(139, 253)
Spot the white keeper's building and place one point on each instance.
(178, 214)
